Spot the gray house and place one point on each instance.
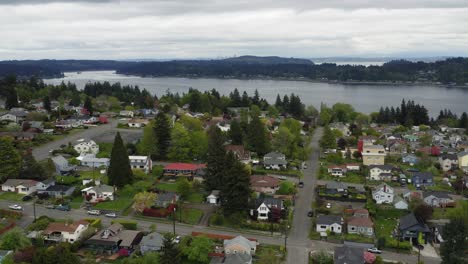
(151, 242)
(437, 199)
(274, 161)
(422, 179)
(58, 190)
(348, 255)
(62, 167)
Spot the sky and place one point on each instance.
(182, 29)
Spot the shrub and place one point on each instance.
(41, 223)
(10, 214)
(217, 219)
(130, 225)
(94, 222)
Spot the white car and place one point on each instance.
(374, 250)
(111, 215)
(15, 207)
(328, 205)
(94, 212)
(177, 239)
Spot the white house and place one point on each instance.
(437, 199)
(98, 193)
(376, 172)
(448, 161)
(213, 198)
(137, 123)
(274, 161)
(84, 147)
(332, 223)
(126, 113)
(20, 186)
(383, 194)
(263, 206)
(90, 160)
(65, 232)
(62, 167)
(43, 185)
(400, 204)
(14, 116)
(143, 163)
(337, 170)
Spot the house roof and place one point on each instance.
(64, 227)
(59, 188)
(384, 187)
(422, 175)
(462, 154)
(336, 185)
(166, 196)
(361, 211)
(348, 255)
(184, 166)
(16, 182)
(274, 161)
(274, 155)
(329, 219)
(48, 181)
(128, 237)
(237, 259)
(100, 188)
(382, 167)
(264, 181)
(239, 150)
(446, 156)
(154, 239)
(440, 195)
(410, 222)
(269, 202)
(240, 240)
(360, 221)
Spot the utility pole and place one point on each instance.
(34, 209)
(173, 220)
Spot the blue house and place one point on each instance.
(410, 159)
(420, 179)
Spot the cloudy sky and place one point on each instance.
(162, 29)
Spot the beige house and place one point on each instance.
(65, 232)
(463, 161)
(240, 245)
(373, 155)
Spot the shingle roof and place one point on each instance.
(437, 194)
(348, 255)
(244, 242)
(264, 181)
(410, 221)
(64, 227)
(16, 182)
(360, 221)
(329, 219)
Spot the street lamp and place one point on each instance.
(286, 228)
(173, 219)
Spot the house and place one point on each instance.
(137, 122)
(143, 163)
(240, 152)
(19, 136)
(264, 206)
(274, 161)
(232, 259)
(348, 255)
(14, 116)
(367, 140)
(463, 161)
(33, 126)
(58, 190)
(188, 170)
(422, 179)
(113, 238)
(62, 167)
(411, 138)
(373, 155)
(90, 160)
(151, 243)
(400, 203)
(343, 128)
(213, 198)
(448, 162)
(98, 193)
(410, 226)
(379, 172)
(437, 199)
(332, 223)
(335, 187)
(164, 199)
(383, 194)
(410, 159)
(337, 170)
(65, 232)
(126, 113)
(20, 186)
(353, 166)
(85, 147)
(360, 225)
(43, 185)
(264, 184)
(239, 245)
(396, 146)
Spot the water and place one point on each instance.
(364, 98)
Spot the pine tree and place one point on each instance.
(463, 123)
(10, 160)
(120, 172)
(278, 102)
(88, 105)
(215, 159)
(75, 99)
(257, 136)
(162, 132)
(235, 133)
(236, 186)
(170, 253)
(31, 169)
(46, 103)
(256, 98)
(11, 99)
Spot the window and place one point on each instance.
(323, 227)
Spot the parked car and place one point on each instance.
(94, 212)
(283, 177)
(310, 214)
(15, 207)
(26, 198)
(111, 215)
(301, 184)
(374, 250)
(328, 205)
(63, 207)
(50, 206)
(177, 239)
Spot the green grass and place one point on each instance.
(170, 187)
(195, 197)
(351, 177)
(191, 216)
(11, 196)
(121, 203)
(358, 238)
(76, 202)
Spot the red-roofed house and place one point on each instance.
(240, 152)
(188, 170)
(337, 170)
(65, 232)
(264, 184)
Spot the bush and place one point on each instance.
(262, 226)
(130, 225)
(94, 222)
(40, 224)
(10, 214)
(217, 219)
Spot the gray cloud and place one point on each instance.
(208, 28)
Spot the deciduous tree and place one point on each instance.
(197, 251)
(180, 147)
(15, 239)
(143, 200)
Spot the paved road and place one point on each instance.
(301, 225)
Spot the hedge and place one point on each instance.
(94, 222)
(10, 214)
(262, 226)
(130, 225)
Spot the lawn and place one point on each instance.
(351, 177)
(170, 187)
(120, 204)
(76, 202)
(11, 196)
(266, 253)
(196, 197)
(191, 216)
(358, 238)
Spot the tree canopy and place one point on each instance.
(119, 172)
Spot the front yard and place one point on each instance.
(11, 196)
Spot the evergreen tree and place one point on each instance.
(286, 103)
(11, 98)
(235, 98)
(245, 101)
(180, 144)
(31, 169)
(75, 99)
(215, 159)
(88, 105)
(46, 104)
(236, 186)
(10, 160)
(119, 172)
(235, 133)
(147, 146)
(455, 243)
(257, 136)
(162, 132)
(278, 102)
(170, 253)
(463, 123)
(256, 98)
